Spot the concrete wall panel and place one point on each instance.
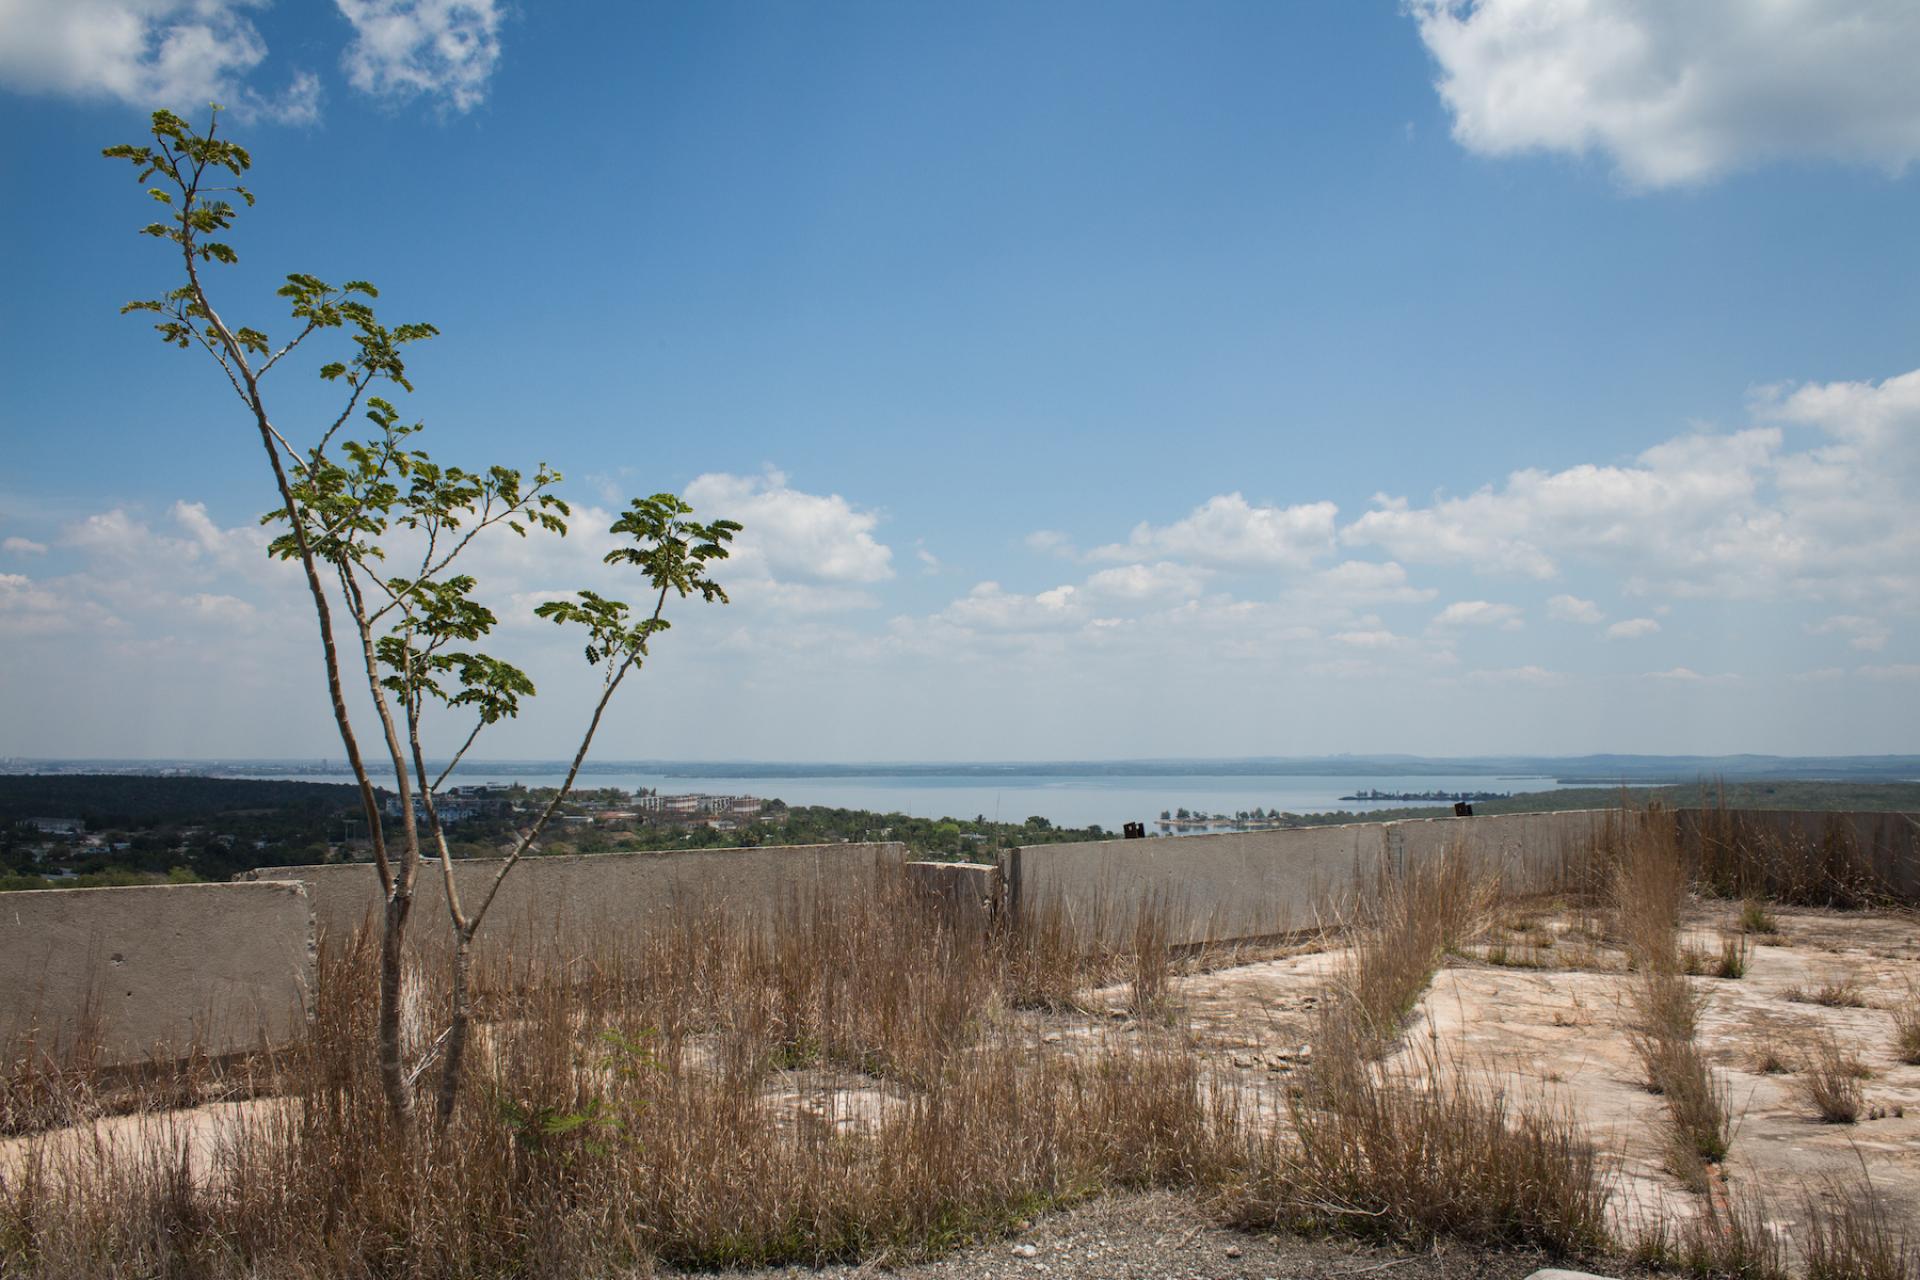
(1213, 888)
(561, 901)
(154, 971)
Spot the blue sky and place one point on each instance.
(1094, 380)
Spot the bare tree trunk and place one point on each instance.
(457, 1030)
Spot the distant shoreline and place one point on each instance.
(1592, 770)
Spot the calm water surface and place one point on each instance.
(1065, 800)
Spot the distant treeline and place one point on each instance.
(132, 802)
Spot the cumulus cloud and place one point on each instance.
(793, 536)
(1480, 613)
(1165, 582)
(990, 606)
(1676, 93)
(1228, 530)
(1565, 608)
(23, 547)
(1815, 502)
(1869, 634)
(1632, 629)
(1902, 671)
(442, 49)
(1363, 582)
(177, 53)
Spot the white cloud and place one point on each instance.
(181, 54)
(23, 547)
(1537, 676)
(1632, 629)
(1375, 638)
(1825, 512)
(1051, 542)
(1565, 608)
(1681, 92)
(1227, 530)
(791, 535)
(1363, 582)
(1902, 671)
(1867, 634)
(1677, 673)
(1695, 487)
(445, 49)
(989, 606)
(1479, 613)
(1162, 583)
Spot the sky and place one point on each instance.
(1093, 380)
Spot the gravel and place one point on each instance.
(1162, 1236)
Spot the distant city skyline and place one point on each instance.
(1094, 381)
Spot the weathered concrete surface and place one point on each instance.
(1219, 888)
(558, 904)
(969, 893)
(158, 970)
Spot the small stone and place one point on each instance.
(1025, 1251)
(1245, 1064)
(1233, 1251)
(1052, 1037)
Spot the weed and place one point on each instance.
(1755, 918)
(1830, 1084)
(1850, 1236)
(1906, 1026)
(1839, 992)
(1734, 953)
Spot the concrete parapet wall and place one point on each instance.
(1214, 888)
(560, 902)
(154, 971)
(1525, 849)
(969, 893)
(1225, 888)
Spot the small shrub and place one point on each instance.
(1839, 992)
(1755, 918)
(1770, 1060)
(1906, 1026)
(1734, 952)
(1830, 1084)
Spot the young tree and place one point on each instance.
(377, 528)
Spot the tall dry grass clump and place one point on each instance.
(844, 1082)
(1738, 855)
(1906, 1025)
(1649, 889)
(1416, 1150)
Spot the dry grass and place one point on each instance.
(666, 1099)
(1730, 1243)
(1906, 1026)
(1648, 891)
(1402, 933)
(1830, 1083)
(1737, 856)
(1851, 1237)
(1756, 919)
(1418, 1150)
(1841, 991)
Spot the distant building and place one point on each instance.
(58, 826)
